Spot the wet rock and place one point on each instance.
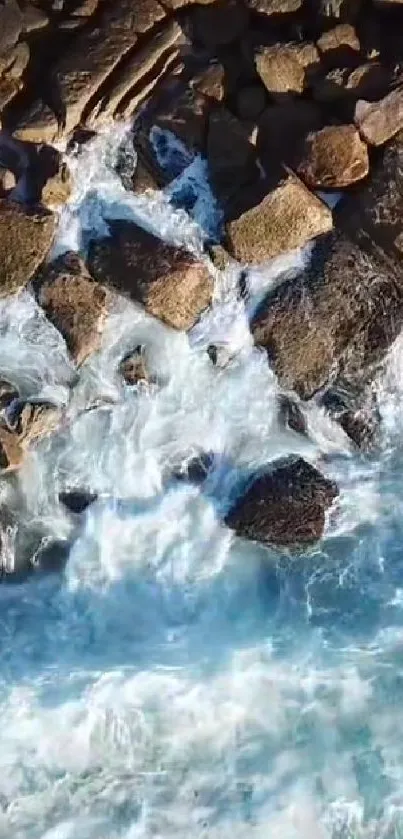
(195, 469)
(36, 420)
(77, 500)
(8, 394)
(251, 102)
(339, 47)
(85, 66)
(133, 367)
(334, 158)
(211, 82)
(284, 507)
(357, 412)
(10, 25)
(51, 557)
(230, 154)
(143, 179)
(25, 239)
(11, 453)
(221, 23)
(169, 282)
(377, 122)
(220, 355)
(339, 318)
(282, 132)
(274, 7)
(290, 414)
(287, 68)
(74, 303)
(186, 117)
(57, 188)
(287, 218)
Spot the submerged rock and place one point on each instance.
(169, 282)
(25, 239)
(75, 304)
(133, 367)
(77, 500)
(11, 452)
(284, 507)
(290, 414)
(195, 469)
(36, 420)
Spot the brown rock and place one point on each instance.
(11, 453)
(186, 116)
(57, 189)
(339, 319)
(169, 282)
(10, 25)
(8, 394)
(74, 303)
(35, 421)
(25, 239)
(8, 89)
(231, 156)
(274, 7)
(87, 63)
(334, 158)
(143, 179)
(221, 23)
(33, 18)
(282, 132)
(287, 68)
(285, 507)
(290, 415)
(339, 46)
(133, 367)
(15, 61)
(377, 122)
(251, 102)
(286, 219)
(211, 82)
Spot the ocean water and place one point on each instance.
(174, 681)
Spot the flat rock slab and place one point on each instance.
(287, 218)
(25, 239)
(334, 158)
(284, 507)
(81, 71)
(169, 282)
(75, 304)
(336, 320)
(378, 122)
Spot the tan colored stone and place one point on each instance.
(287, 68)
(274, 7)
(287, 218)
(37, 420)
(334, 158)
(10, 25)
(211, 82)
(25, 239)
(377, 122)
(11, 453)
(338, 45)
(75, 304)
(169, 282)
(282, 132)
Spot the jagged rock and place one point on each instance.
(74, 303)
(51, 557)
(77, 500)
(8, 89)
(195, 469)
(138, 74)
(339, 47)
(25, 239)
(286, 219)
(11, 453)
(57, 188)
(220, 23)
(231, 156)
(10, 25)
(290, 414)
(219, 256)
(287, 68)
(282, 131)
(133, 367)
(169, 282)
(339, 318)
(89, 60)
(285, 507)
(274, 7)
(36, 420)
(251, 102)
(367, 81)
(186, 117)
(33, 18)
(377, 122)
(334, 158)
(143, 179)
(356, 411)
(211, 82)
(14, 62)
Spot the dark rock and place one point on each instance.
(337, 10)
(274, 7)
(25, 239)
(220, 355)
(282, 131)
(367, 81)
(221, 23)
(74, 303)
(8, 394)
(133, 367)
(334, 158)
(211, 82)
(10, 25)
(287, 68)
(230, 154)
(287, 218)
(196, 469)
(285, 507)
(290, 414)
(339, 47)
(186, 117)
(143, 179)
(11, 453)
(251, 101)
(77, 500)
(356, 411)
(169, 282)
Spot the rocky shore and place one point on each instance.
(289, 102)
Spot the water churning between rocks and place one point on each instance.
(175, 681)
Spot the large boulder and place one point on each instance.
(25, 239)
(171, 284)
(287, 68)
(287, 218)
(334, 158)
(284, 507)
(74, 303)
(378, 122)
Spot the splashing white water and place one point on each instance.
(176, 681)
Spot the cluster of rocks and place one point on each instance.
(286, 100)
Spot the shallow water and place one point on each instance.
(176, 681)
